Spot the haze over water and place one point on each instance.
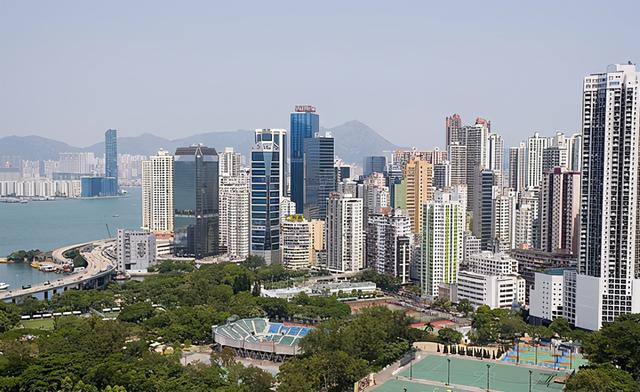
(47, 225)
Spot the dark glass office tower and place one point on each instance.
(374, 164)
(265, 201)
(111, 154)
(305, 123)
(195, 201)
(319, 176)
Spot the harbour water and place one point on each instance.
(18, 274)
(47, 225)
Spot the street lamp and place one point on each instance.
(448, 371)
(530, 371)
(488, 366)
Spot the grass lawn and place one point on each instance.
(46, 324)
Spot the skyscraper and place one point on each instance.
(297, 247)
(518, 167)
(504, 220)
(453, 128)
(111, 154)
(279, 139)
(390, 244)
(442, 175)
(442, 242)
(608, 278)
(195, 200)
(157, 193)
(266, 177)
(374, 164)
(305, 123)
(319, 175)
(559, 211)
(344, 233)
(483, 211)
(477, 139)
(230, 162)
(234, 214)
(535, 149)
(419, 178)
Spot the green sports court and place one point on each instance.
(473, 373)
(399, 386)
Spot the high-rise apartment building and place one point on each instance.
(608, 277)
(157, 193)
(483, 210)
(230, 163)
(419, 178)
(344, 233)
(504, 220)
(477, 139)
(234, 215)
(319, 175)
(560, 211)
(390, 244)
(442, 175)
(442, 242)
(195, 201)
(111, 154)
(535, 149)
(458, 163)
(454, 133)
(297, 247)
(305, 124)
(266, 165)
(524, 226)
(518, 167)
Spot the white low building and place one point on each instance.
(324, 289)
(495, 291)
(136, 251)
(546, 298)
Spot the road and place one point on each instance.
(97, 263)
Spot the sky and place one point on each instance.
(71, 69)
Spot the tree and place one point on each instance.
(605, 378)
(254, 262)
(464, 306)
(617, 343)
(136, 313)
(327, 371)
(560, 327)
(449, 336)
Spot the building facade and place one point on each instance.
(305, 124)
(136, 251)
(344, 233)
(195, 202)
(157, 193)
(442, 242)
(319, 175)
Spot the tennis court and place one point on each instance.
(469, 372)
(399, 386)
(544, 356)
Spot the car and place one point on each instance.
(26, 286)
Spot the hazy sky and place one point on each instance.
(71, 69)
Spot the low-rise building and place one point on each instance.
(495, 291)
(321, 289)
(546, 299)
(136, 251)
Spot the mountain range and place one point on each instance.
(353, 141)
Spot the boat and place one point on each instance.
(26, 286)
(35, 264)
(115, 216)
(47, 268)
(4, 286)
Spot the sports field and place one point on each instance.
(544, 356)
(401, 386)
(473, 373)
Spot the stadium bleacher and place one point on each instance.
(257, 330)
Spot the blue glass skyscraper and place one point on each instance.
(305, 123)
(111, 155)
(265, 201)
(319, 176)
(374, 164)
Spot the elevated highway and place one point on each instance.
(100, 266)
